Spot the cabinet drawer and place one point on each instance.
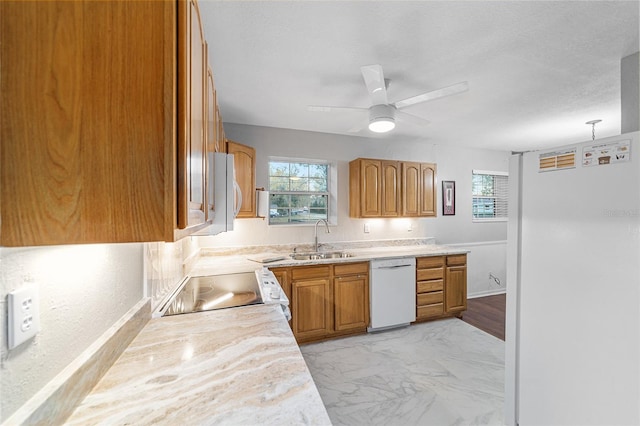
(310, 272)
(458, 259)
(430, 310)
(429, 274)
(351, 268)
(430, 298)
(433, 285)
(429, 262)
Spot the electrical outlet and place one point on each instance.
(410, 227)
(24, 315)
(366, 228)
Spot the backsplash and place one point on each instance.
(165, 265)
(289, 248)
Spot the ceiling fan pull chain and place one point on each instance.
(593, 128)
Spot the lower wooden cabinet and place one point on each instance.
(326, 300)
(351, 297)
(456, 284)
(441, 286)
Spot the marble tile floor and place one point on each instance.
(444, 372)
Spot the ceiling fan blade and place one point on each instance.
(414, 119)
(374, 79)
(319, 108)
(435, 94)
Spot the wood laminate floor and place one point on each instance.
(487, 313)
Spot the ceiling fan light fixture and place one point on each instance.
(382, 118)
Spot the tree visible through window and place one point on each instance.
(298, 192)
(490, 195)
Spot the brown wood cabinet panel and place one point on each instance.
(211, 141)
(432, 285)
(192, 73)
(351, 302)
(351, 268)
(245, 165)
(429, 262)
(455, 289)
(430, 311)
(88, 132)
(428, 191)
(302, 272)
(312, 308)
(430, 298)
(370, 198)
(390, 189)
(458, 259)
(411, 188)
(429, 274)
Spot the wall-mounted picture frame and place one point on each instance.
(448, 198)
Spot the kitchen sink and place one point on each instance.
(320, 255)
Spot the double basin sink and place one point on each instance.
(318, 255)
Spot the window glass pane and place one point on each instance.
(318, 185)
(279, 183)
(278, 169)
(298, 184)
(298, 192)
(299, 170)
(318, 171)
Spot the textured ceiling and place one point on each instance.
(537, 70)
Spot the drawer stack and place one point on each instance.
(429, 287)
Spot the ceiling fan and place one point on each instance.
(382, 114)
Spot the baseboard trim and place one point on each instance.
(487, 293)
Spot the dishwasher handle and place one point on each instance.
(394, 266)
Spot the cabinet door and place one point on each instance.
(211, 142)
(191, 130)
(455, 295)
(311, 308)
(351, 302)
(428, 191)
(244, 161)
(87, 134)
(370, 188)
(390, 187)
(411, 188)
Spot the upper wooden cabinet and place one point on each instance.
(192, 83)
(385, 188)
(245, 166)
(418, 189)
(103, 137)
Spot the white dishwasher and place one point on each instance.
(392, 292)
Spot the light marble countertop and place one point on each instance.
(231, 366)
(216, 264)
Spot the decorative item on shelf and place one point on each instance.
(448, 198)
(263, 203)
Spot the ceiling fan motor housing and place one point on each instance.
(382, 117)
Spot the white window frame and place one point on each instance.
(332, 188)
(501, 198)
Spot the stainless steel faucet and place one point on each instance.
(316, 232)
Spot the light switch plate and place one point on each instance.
(24, 315)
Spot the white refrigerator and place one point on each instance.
(573, 285)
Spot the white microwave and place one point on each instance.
(227, 196)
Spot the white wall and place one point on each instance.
(83, 289)
(453, 164)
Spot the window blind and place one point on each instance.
(490, 194)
